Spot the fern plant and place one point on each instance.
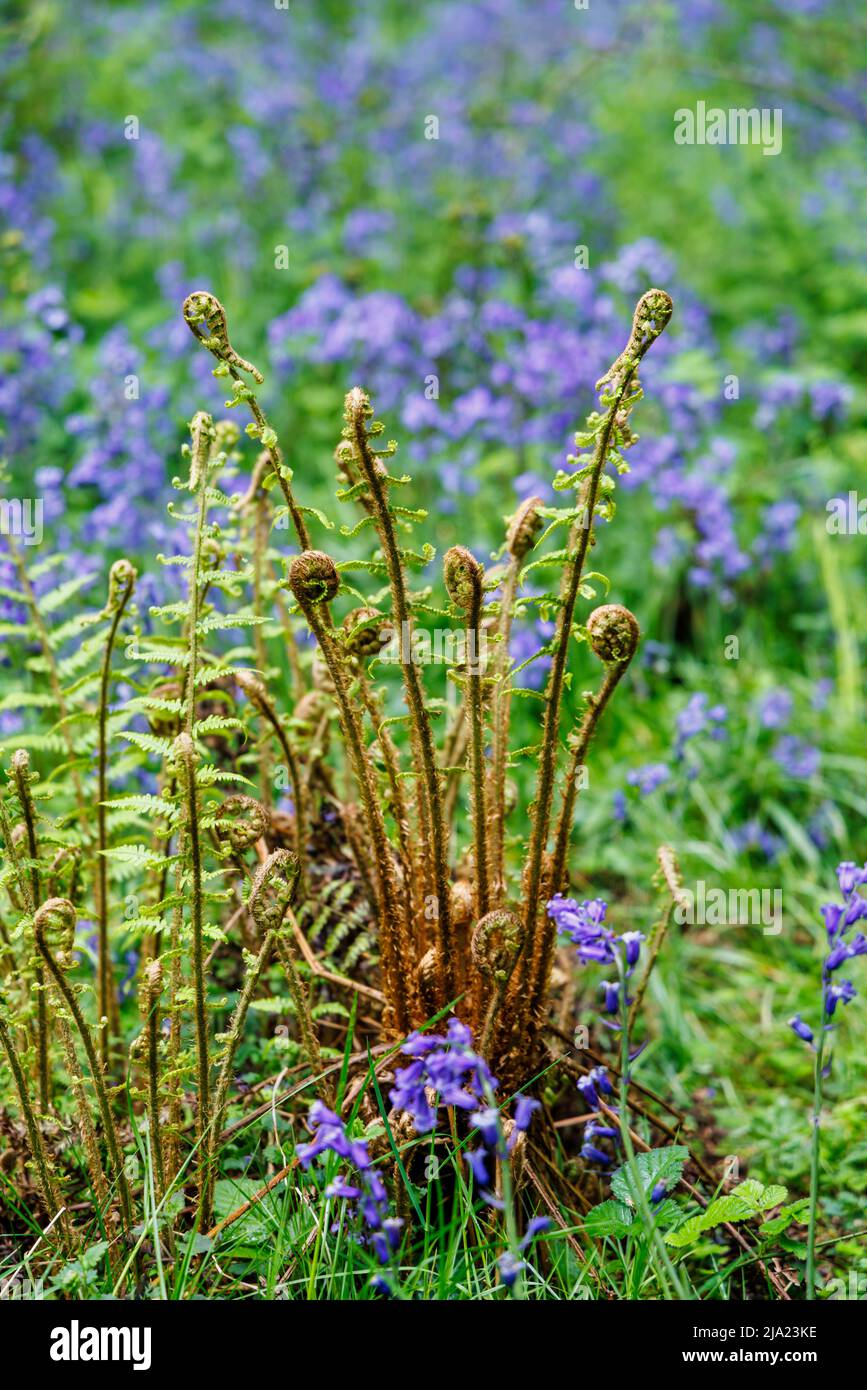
(262, 805)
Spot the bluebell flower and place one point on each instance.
(843, 993)
(649, 777)
(795, 757)
(822, 694)
(696, 718)
(457, 1076)
(611, 990)
(594, 1155)
(339, 1187)
(602, 1081)
(595, 1084)
(525, 1106)
(478, 1162)
(535, 1227)
(775, 709)
(594, 1130)
(509, 1268)
(588, 1091)
(487, 1122)
(632, 941)
(798, 1026)
(849, 876)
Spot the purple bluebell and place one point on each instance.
(535, 1226)
(525, 1107)
(849, 876)
(839, 918)
(698, 717)
(477, 1159)
(509, 1268)
(775, 709)
(365, 1195)
(804, 1032)
(649, 777)
(611, 991)
(594, 1154)
(796, 757)
(843, 993)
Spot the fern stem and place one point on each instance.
(532, 877)
(61, 908)
(172, 1072)
(305, 579)
(357, 411)
(519, 538)
(463, 580)
(501, 720)
(592, 714)
(202, 308)
(85, 1122)
(151, 989)
(303, 1013)
(20, 765)
(121, 585)
(652, 313)
(255, 691)
(187, 762)
(398, 803)
(221, 1090)
(37, 1149)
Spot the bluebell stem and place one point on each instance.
(839, 918)
(597, 943)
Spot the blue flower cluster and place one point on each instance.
(364, 1190)
(584, 924)
(506, 371)
(698, 717)
(839, 918)
(446, 1071)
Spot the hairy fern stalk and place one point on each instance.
(238, 790)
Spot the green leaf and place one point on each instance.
(609, 1219)
(748, 1199)
(657, 1165)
